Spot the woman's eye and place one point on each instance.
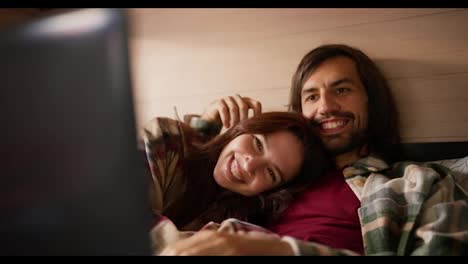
(258, 144)
(271, 173)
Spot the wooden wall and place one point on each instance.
(185, 58)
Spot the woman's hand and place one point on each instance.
(212, 243)
(230, 110)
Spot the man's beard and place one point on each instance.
(350, 142)
(355, 141)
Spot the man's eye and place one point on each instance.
(342, 90)
(312, 98)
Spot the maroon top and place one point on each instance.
(325, 213)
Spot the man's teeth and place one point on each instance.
(333, 124)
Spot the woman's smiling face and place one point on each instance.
(254, 163)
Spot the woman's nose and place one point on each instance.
(252, 164)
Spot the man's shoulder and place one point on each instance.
(365, 166)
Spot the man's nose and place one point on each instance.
(327, 105)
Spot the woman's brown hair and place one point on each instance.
(205, 201)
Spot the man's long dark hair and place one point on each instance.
(383, 136)
(205, 201)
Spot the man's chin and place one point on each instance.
(338, 146)
(337, 150)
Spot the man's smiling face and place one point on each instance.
(336, 100)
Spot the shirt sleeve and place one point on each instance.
(417, 211)
(164, 145)
(442, 227)
(205, 130)
(307, 248)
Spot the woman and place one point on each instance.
(249, 172)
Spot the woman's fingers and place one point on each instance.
(231, 109)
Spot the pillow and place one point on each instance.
(459, 167)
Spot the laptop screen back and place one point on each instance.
(71, 180)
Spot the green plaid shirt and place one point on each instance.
(406, 209)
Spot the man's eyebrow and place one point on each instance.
(309, 90)
(280, 173)
(340, 81)
(333, 84)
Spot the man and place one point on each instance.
(364, 207)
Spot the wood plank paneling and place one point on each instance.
(231, 25)
(423, 53)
